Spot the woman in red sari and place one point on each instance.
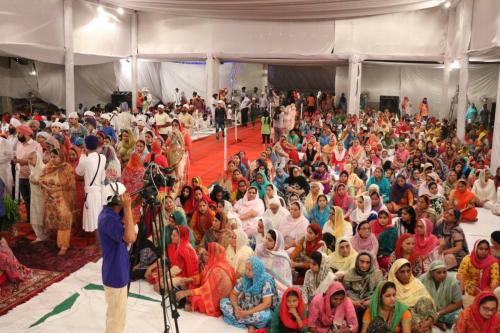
(182, 256)
(132, 178)
(213, 284)
(288, 149)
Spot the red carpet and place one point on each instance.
(43, 255)
(12, 295)
(207, 155)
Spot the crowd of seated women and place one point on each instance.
(345, 224)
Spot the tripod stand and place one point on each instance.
(163, 263)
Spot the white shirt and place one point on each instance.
(125, 120)
(87, 167)
(162, 119)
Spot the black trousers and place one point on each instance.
(266, 138)
(24, 189)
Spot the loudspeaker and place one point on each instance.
(389, 102)
(121, 96)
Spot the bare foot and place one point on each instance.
(62, 252)
(251, 329)
(187, 308)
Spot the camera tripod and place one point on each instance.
(163, 263)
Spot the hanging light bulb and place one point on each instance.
(120, 11)
(447, 4)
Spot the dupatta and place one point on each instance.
(182, 254)
(424, 245)
(411, 292)
(217, 280)
(327, 315)
(375, 302)
(482, 264)
(340, 263)
(288, 320)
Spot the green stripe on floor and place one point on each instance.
(61, 307)
(70, 301)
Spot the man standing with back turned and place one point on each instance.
(115, 234)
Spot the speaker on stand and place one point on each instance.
(118, 97)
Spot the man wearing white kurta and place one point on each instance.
(90, 167)
(6, 156)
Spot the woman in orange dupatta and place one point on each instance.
(132, 178)
(463, 199)
(201, 221)
(213, 284)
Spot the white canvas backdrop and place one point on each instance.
(99, 37)
(165, 34)
(32, 29)
(408, 34)
(417, 81)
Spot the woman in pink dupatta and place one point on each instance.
(401, 155)
(357, 151)
(132, 177)
(332, 311)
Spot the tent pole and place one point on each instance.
(462, 97)
(495, 152)
(134, 60)
(225, 149)
(69, 64)
(354, 84)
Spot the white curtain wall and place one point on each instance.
(418, 81)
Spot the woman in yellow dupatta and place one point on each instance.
(58, 184)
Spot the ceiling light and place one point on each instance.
(100, 9)
(447, 4)
(120, 11)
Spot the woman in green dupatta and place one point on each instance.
(261, 183)
(446, 293)
(386, 313)
(176, 218)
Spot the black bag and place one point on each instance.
(377, 325)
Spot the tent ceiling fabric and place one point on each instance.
(275, 10)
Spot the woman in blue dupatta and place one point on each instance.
(250, 304)
(280, 178)
(320, 212)
(176, 218)
(383, 184)
(260, 183)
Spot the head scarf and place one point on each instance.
(442, 294)
(317, 243)
(285, 318)
(368, 280)
(340, 263)
(327, 315)
(375, 303)
(377, 228)
(424, 245)
(343, 201)
(254, 285)
(309, 201)
(398, 251)
(261, 188)
(483, 264)
(369, 244)
(485, 326)
(408, 293)
(361, 215)
(183, 254)
(338, 223)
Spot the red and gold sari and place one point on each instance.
(214, 283)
